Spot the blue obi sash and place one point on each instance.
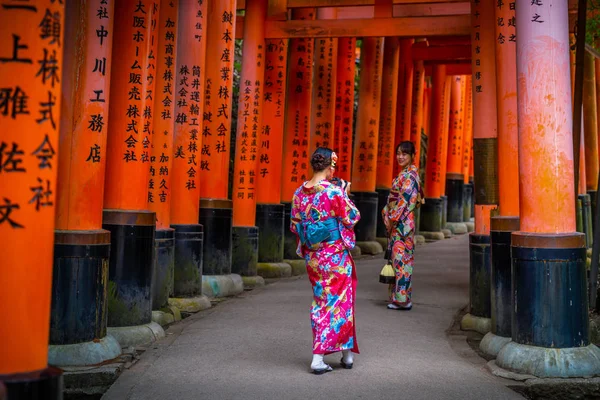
(313, 233)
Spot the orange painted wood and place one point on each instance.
(464, 40)
(445, 123)
(344, 105)
(277, 9)
(128, 158)
(324, 80)
(83, 123)
(433, 172)
(31, 62)
(401, 27)
(483, 217)
(484, 70)
(590, 122)
(269, 172)
(216, 129)
(347, 3)
(383, 8)
(188, 114)
(485, 119)
(149, 78)
(407, 10)
(386, 155)
(547, 199)
(454, 68)
(159, 181)
(506, 92)
(250, 112)
(426, 107)
(403, 106)
(297, 113)
(588, 151)
(416, 117)
(364, 166)
(468, 130)
(442, 53)
(456, 128)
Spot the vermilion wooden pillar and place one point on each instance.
(386, 152)
(485, 149)
(508, 173)
(79, 300)
(161, 160)
(445, 123)
(324, 85)
(297, 124)
(590, 130)
(548, 255)
(405, 92)
(364, 167)
(417, 123)
(216, 213)
(249, 126)
(454, 175)
(126, 213)
(269, 211)
(344, 105)
(467, 154)
(186, 99)
(30, 76)
(431, 211)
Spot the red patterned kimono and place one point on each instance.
(330, 266)
(402, 202)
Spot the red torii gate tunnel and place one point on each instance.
(142, 171)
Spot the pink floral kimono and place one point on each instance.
(323, 218)
(400, 207)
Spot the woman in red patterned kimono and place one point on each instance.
(323, 218)
(399, 218)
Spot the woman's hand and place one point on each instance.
(348, 187)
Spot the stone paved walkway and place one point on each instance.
(258, 346)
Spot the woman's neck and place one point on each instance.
(317, 177)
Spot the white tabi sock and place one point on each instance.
(347, 357)
(317, 362)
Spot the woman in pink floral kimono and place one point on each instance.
(399, 218)
(323, 218)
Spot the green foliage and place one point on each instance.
(592, 26)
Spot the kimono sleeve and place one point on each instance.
(345, 209)
(294, 219)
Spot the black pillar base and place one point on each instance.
(216, 216)
(454, 190)
(587, 219)
(501, 295)
(382, 197)
(245, 250)
(444, 211)
(467, 198)
(270, 220)
(44, 384)
(189, 244)
(131, 266)
(289, 239)
(431, 215)
(164, 267)
(593, 197)
(480, 275)
(366, 228)
(550, 287)
(417, 220)
(80, 273)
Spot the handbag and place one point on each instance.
(387, 274)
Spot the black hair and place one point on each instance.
(321, 159)
(406, 147)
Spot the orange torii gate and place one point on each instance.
(154, 185)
